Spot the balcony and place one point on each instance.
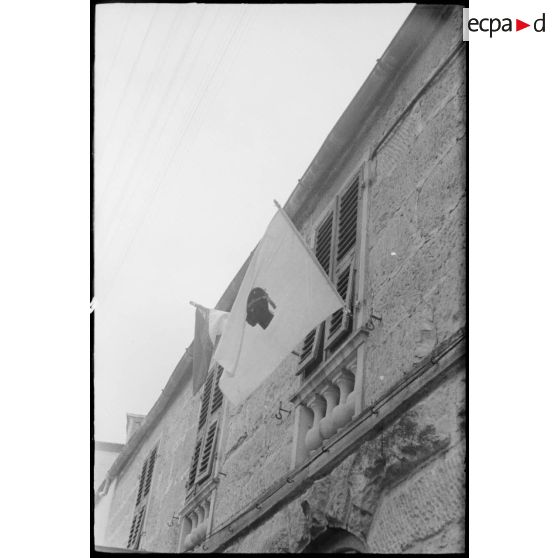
(196, 516)
(330, 398)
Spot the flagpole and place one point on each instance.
(310, 253)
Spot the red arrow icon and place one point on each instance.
(519, 25)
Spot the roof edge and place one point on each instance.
(402, 51)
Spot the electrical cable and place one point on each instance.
(126, 192)
(105, 140)
(150, 81)
(149, 205)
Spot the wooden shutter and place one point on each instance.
(340, 322)
(141, 482)
(311, 352)
(217, 397)
(212, 400)
(324, 239)
(206, 397)
(150, 465)
(194, 464)
(136, 529)
(348, 221)
(132, 531)
(208, 452)
(141, 500)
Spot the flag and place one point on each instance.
(284, 294)
(210, 324)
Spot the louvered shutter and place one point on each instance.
(144, 487)
(132, 531)
(208, 452)
(311, 351)
(217, 398)
(347, 222)
(141, 482)
(139, 528)
(136, 529)
(212, 400)
(194, 464)
(340, 322)
(150, 466)
(206, 397)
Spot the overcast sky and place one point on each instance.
(203, 115)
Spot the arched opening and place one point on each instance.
(336, 541)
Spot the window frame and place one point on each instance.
(145, 480)
(324, 345)
(348, 355)
(207, 432)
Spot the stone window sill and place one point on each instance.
(195, 517)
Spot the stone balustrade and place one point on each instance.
(196, 525)
(332, 407)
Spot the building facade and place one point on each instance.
(357, 442)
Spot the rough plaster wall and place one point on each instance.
(402, 491)
(175, 435)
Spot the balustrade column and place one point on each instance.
(317, 405)
(203, 530)
(197, 532)
(327, 425)
(186, 542)
(343, 413)
(189, 542)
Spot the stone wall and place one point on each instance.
(402, 491)
(417, 211)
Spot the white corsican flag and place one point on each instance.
(284, 294)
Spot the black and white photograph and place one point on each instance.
(278, 278)
(279, 231)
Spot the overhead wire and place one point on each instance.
(127, 191)
(204, 86)
(157, 66)
(243, 28)
(149, 205)
(102, 86)
(191, 109)
(104, 141)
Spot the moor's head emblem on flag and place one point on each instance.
(257, 308)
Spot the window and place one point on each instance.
(208, 425)
(141, 500)
(335, 246)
